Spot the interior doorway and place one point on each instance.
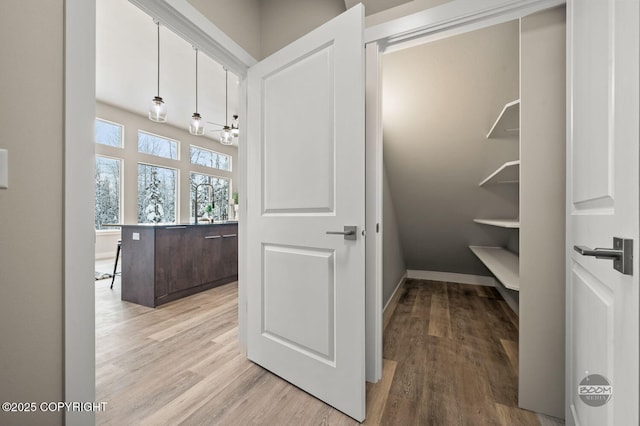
(74, 376)
(448, 178)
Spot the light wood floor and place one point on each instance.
(450, 359)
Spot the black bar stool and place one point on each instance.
(113, 278)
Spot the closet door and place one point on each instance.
(602, 203)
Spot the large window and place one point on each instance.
(156, 194)
(108, 133)
(157, 145)
(208, 158)
(107, 191)
(219, 208)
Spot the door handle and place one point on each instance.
(621, 254)
(349, 232)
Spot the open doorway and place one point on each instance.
(441, 196)
(166, 209)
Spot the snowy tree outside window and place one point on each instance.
(220, 195)
(108, 133)
(157, 145)
(156, 194)
(208, 158)
(107, 191)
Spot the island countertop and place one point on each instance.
(164, 225)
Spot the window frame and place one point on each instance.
(122, 129)
(120, 192)
(229, 195)
(177, 191)
(229, 157)
(177, 142)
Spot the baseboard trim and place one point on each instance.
(452, 277)
(390, 307)
(105, 255)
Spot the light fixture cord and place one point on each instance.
(158, 24)
(226, 97)
(196, 80)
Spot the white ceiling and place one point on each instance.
(126, 69)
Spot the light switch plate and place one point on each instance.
(136, 236)
(4, 169)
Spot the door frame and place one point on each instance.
(449, 19)
(180, 16)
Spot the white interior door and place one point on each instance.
(602, 203)
(306, 159)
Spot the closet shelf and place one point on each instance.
(509, 172)
(502, 223)
(502, 263)
(508, 123)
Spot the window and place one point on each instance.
(156, 194)
(107, 191)
(157, 145)
(108, 133)
(219, 210)
(207, 158)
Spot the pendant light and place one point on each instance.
(226, 135)
(196, 127)
(158, 110)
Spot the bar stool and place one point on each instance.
(113, 278)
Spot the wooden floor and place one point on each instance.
(450, 359)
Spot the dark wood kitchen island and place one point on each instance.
(161, 263)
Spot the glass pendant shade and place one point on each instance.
(158, 110)
(226, 136)
(196, 126)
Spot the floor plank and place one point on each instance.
(450, 358)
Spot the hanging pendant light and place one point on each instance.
(226, 135)
(158, 109)
(196, 126)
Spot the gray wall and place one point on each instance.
(392, 256)
(31, 281)
(262, 27)
(375, 6)
(439, 101)
(542, 203)
(283, 21)
(380, 11)
(239, 19)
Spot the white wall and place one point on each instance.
(542, 217)
(439, 101)
(31, 210)
(106, 240)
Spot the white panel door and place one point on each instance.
(305, 288)
(602, 203)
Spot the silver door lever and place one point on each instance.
(621, 254)
(349, 232)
